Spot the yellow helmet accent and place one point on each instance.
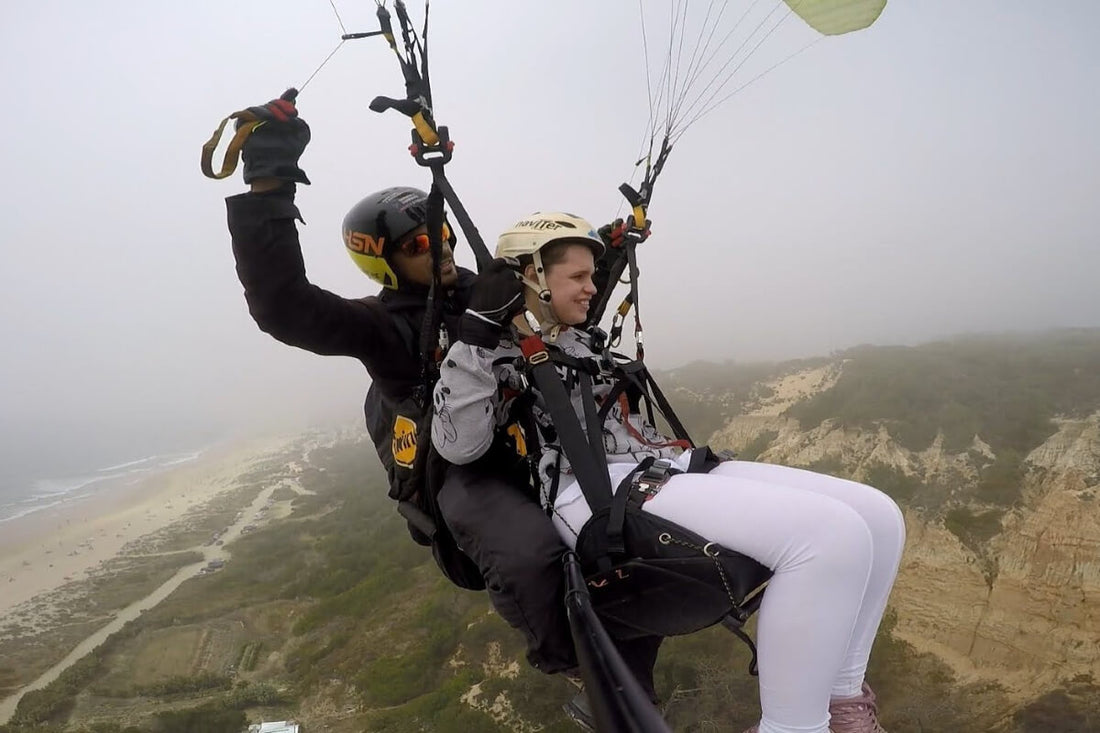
(378, 222)
(375, 267)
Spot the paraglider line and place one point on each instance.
(645, 55)
(675, 91)
(700, 98)
(707, 58)
(307, 81)
(762, 74)
(700, 58)
(338, 18)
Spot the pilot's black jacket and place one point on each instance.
(286, 305)
(495, 523)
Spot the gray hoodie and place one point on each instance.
(476, 391)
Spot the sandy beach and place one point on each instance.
(41, 552)
(45, 555)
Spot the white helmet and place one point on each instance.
(529, 236)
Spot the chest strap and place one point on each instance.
(585, 452)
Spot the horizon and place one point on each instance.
(20, 461)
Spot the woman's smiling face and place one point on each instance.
(570, 283)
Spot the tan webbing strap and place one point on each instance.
(233, 151)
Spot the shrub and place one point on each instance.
(757, 445)
(898, 485)
(973, 529)
(207, 719)
(1001, 482)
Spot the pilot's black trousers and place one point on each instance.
(520, 553)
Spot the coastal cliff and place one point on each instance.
(1001, 573)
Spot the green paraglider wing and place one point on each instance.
(835, 17)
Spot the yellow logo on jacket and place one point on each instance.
(404, 441)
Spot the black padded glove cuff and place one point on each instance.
(273, 149)
(476, 330)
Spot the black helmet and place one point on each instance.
(377, 223)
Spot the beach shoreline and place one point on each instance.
(60, 555)
(43, 551)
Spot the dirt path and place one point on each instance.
(252, 515)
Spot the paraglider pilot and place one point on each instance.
(496, 523)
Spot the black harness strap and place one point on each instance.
(632, 261)
(593, 423)
(599, 303)
(665, 408)
(433, 312)
(591, 475)
(634, 374)
(431, 143)
(667, 586)
(626, 379)
(615, 521)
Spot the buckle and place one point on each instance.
(657, 471)
(653, 478)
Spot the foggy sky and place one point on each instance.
(934, 174)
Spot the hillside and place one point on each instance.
(992, 445)
(332, 616)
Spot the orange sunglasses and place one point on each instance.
(419, 244)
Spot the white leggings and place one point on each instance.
(834, 547)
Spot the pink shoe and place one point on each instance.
(857, 714)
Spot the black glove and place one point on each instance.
(273, 148)
(496, 298)
(612, 234)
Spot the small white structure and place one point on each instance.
(283, 726)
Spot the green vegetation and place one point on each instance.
(284, 493)
(829, 465)
(393, 680)
(335, 608)
(197, 526)
(249, 653)
(900, 486)
(1073, 708)
(180, 684)
(757, 445)
(436, 711)
(209, 719)
(706, 395)
(972, 528)
(126, 580)
(53, 703)
(1004, 388)
(1001, 481)
(121, 582)
(918, 693)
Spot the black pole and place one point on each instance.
(619, 703)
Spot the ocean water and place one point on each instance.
(23, 493)
(49, 460)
